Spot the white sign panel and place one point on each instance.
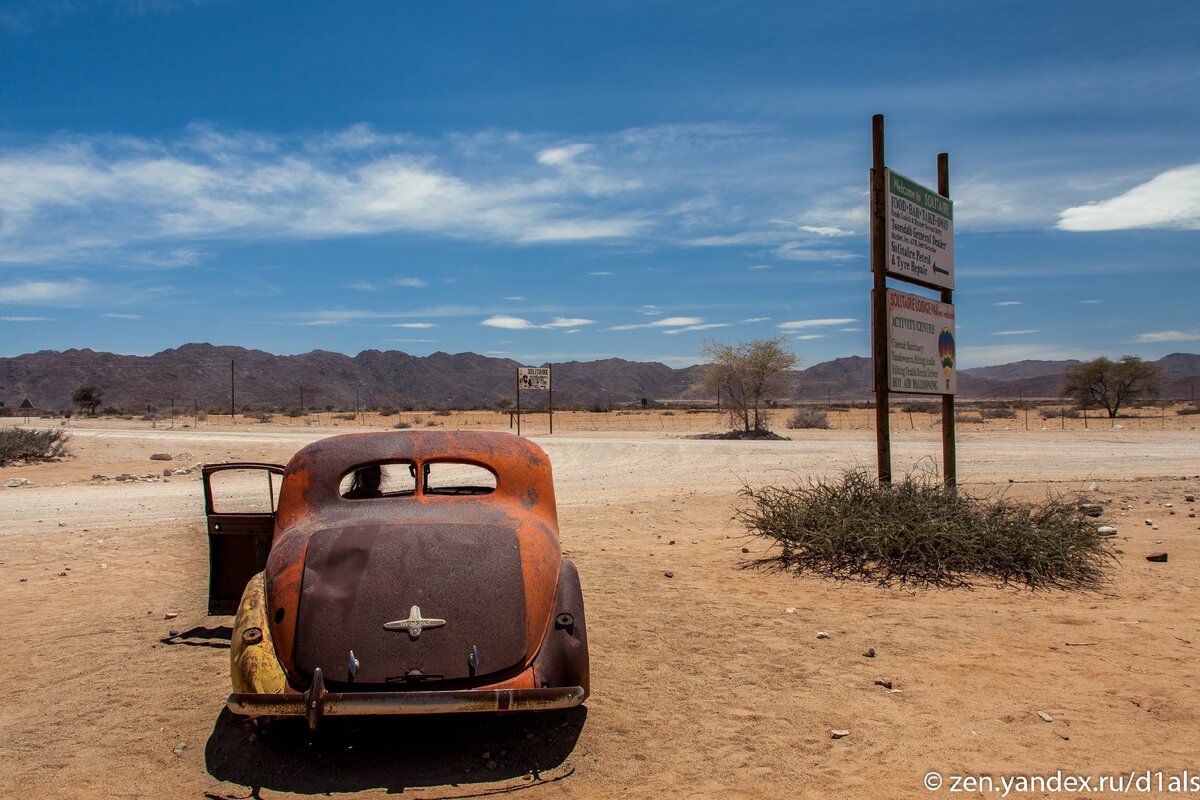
(533, 377)
(920, 345)
(920, 233)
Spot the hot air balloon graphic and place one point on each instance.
(946, 351)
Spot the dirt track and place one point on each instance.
(704, 684)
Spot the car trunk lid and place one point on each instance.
(378, 590)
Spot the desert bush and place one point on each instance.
(805, 418)
(261, 416)
(24, 444)
(5, 411)
(294, 412)
(432, 424)
(596, 407)
(920, 408)
(387, 411)
(345, 417)
(968, 418)
(915, 531)
(1055, 413)
(1186, 410)
(442, 412)
(999, 412)
(402, 424)
(668, 413)
(418, 419)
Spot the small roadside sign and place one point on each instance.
(533, 377)
(921, 353)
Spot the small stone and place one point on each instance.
(172, 633)
(1189, 498)
(486, 755)
(837, 733)
(884, 682)
(1091, 509)
(1095, 487)
(789, 611)
(1149, 522)
(13, 483)
(1153, 527)
(1106, 530)
(170, 615)
(179, 748)
(491, 765)
(869, 652)
(161, 457)
(167, 472)
(62, 574)
(23, 580)
(1158, 541)
(1192, 514)
(1158, 557)
(1045, 717)
(822, 635)
(99, 477)
(747, 549)
(671, 542)
(1168, 505)
(669, 574)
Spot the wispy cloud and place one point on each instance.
(601, 274)
(1089, 302)
(1016, 333)
(413, 325)
(665, 322)
(521, 324)
(1008, 303)
(1170, 336)
(810, 336)
(756, 319)
(800, 324)
(24, 319)
(413, 283)
(1169, 200)
(45, 292)
(122, 316)
(704, 327)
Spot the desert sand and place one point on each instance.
(710, 683)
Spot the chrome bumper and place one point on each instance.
(317, 702)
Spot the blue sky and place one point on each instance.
(555, 181)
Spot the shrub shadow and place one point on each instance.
(350, 754)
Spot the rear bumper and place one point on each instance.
(317, 702)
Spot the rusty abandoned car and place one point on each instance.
(396, 573)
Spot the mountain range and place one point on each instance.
(200, 375)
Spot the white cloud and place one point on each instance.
(24, 319)
(568, 322)
(414, 283)
(600, 274)
(665, 322)
(508, 323)
(756, 319)
(45, 292)
(1008, 303)
(811, 336)
(521, 324)
(1016, 333)
(1170, 336)
(706, 326)
(516, 298)
(802, 251)
(650, 310)
(413, 325)
(558, 156)
(122, 316)
(1089, 302)
(850, 330)
(800, 324)
(761, 266)
(1169, 200)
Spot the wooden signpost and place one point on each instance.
(534, 378)
(912, 336)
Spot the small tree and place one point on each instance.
(744, 373)
(87, 397)
(1110, 384)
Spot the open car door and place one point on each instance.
(239, 504)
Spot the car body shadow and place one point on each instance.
(349, 754)
(201, 636)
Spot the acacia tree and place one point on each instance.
(1110, 384)
(744, 374)
(88, 397)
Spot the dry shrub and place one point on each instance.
(24, 444)
(805, 418)
(998, 413)
(917, 532)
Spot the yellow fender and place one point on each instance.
(253, 665)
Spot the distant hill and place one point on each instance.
(200, 373)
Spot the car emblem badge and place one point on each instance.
(414, 624)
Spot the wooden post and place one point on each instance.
(232, 396)
(879, 331)
(550, 393)
(518, 401)
(949, 459)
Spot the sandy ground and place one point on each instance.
(711, 683)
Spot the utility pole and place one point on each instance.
(232, 394)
